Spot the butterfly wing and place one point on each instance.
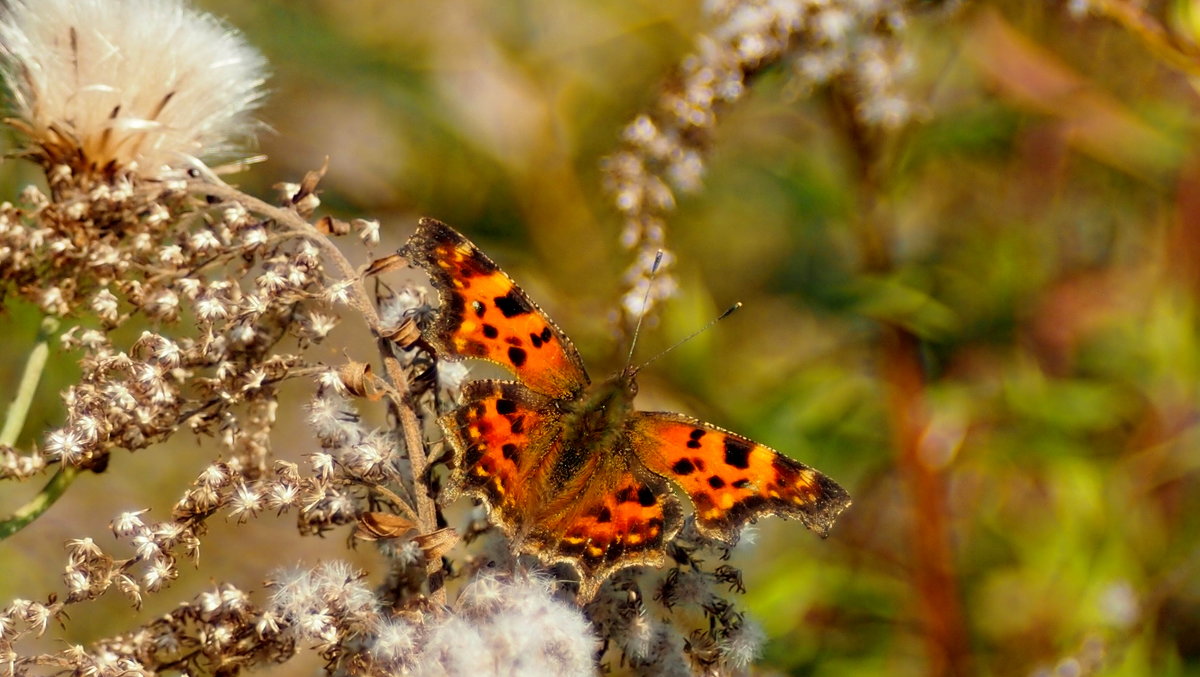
(484, 314)
(731, 479)
(500, 435)
(621, 519)
(607, 515)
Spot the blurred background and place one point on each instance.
(982, 322)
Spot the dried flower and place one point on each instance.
(663, 149)
(99, 85)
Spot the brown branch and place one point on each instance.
(933, 562)
(932, 569)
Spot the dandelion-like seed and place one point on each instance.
(395, 642)
(128, 523)
(516, 626)
(743, 645)
(103, 86)
(64, 444)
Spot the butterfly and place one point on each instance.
(568, 468)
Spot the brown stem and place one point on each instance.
(933, 562)
(414, 440)
(933, 577)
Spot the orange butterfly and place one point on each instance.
(568, 468)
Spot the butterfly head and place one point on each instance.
(627, 380)
(615, 392)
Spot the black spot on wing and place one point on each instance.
(716, 482)
(737, 452)
(490, 331)
(604, 516)
(512, 305)
(472, 455)
(509, 450)
(683, 467)
(645, 497)
(518, 425)
(474, 348)
(479, 308)
(506, 407)
(472, 411)
(517, 356)
(614, 551)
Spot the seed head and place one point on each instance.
(100, 86)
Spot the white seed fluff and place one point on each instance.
(138, 84)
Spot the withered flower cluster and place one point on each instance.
(856, 44)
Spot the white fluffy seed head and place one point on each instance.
(104, 85)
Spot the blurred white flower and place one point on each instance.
(510, 625)
(104, 85)
(1119, 605)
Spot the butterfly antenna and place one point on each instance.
(637, 329)
(728, 311)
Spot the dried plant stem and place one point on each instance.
(360, 300)
(413, 440)
(1142, 25)
(395, 498)
(932, 564)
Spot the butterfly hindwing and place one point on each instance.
(614, 514)
(731, 479)
(485, 315)
(499, 435)
(623, 519)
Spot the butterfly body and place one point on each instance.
(568, 468)
(594, 423)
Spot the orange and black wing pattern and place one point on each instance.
(622, 519)
(500, 436)
(485, 315)
(730, 479)
(610, 515)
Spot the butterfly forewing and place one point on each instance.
(483, 314)
(731, 479)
